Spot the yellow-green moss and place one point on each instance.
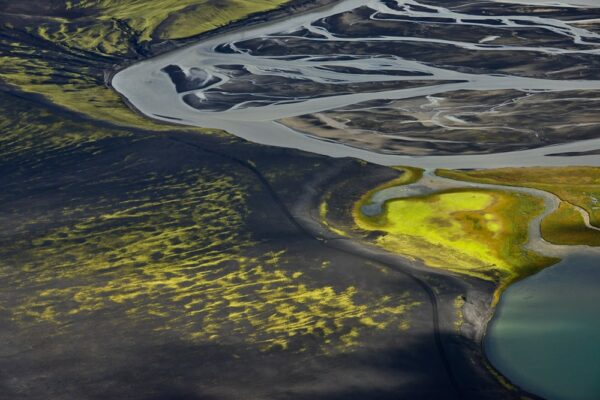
(35, 134)
(475, 232)
(182, 259)
(171, 249)
(578, 186)
(566, 226)
(180, 18)
(459, 303)
(323, 214)
(107, 28)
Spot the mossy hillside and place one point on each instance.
(66, 72)
(480, 233)
(179, 261)
(64, 49)
(173, 19)
(579, 186)
(76, 92)
(149, 231)
(566, 226)
(35, 134)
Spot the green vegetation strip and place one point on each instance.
(575, 186)
(475, 232)
(62, 50)
(175, 19)
(480, 233)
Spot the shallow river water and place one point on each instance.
(248, 110)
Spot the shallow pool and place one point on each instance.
(545, 336)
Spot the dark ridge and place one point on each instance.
(305, 33)
(495, 22)
(393, 17)
(353, 70)
(225, 48)
(184, 83)
(392, 4)
(167, 117)
(575, 153)
(414, 7)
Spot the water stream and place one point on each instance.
(152, 91)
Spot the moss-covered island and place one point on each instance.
(578, 189)
(475, 232)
